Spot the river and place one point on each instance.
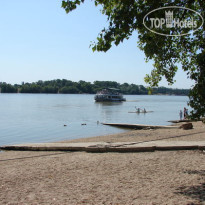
(26, 118)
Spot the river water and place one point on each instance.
(41, 117)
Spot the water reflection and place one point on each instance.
(109, 103)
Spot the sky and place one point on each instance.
(39, 41)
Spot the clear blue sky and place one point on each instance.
(39, 41)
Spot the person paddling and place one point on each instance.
(138, 109)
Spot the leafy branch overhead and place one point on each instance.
(168, 52)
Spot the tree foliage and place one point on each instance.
(69, 87)
(168, 52)
(8, 88)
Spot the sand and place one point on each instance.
(171, 177)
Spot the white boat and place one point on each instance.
(109, 95)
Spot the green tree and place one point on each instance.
(49, 89)
(69, 90)
(56, 86)
(168, 52)
(8, 88)
(85, 87)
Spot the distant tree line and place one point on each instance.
(69, 87)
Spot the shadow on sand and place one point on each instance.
(196, 192)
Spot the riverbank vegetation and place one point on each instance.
(69, 87)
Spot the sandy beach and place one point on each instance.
(166, 177)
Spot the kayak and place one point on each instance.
(141, 112)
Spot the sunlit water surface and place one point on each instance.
(41, 118)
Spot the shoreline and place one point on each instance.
(152, 134)
(133, 135)
(121, 130)
(161, 177)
